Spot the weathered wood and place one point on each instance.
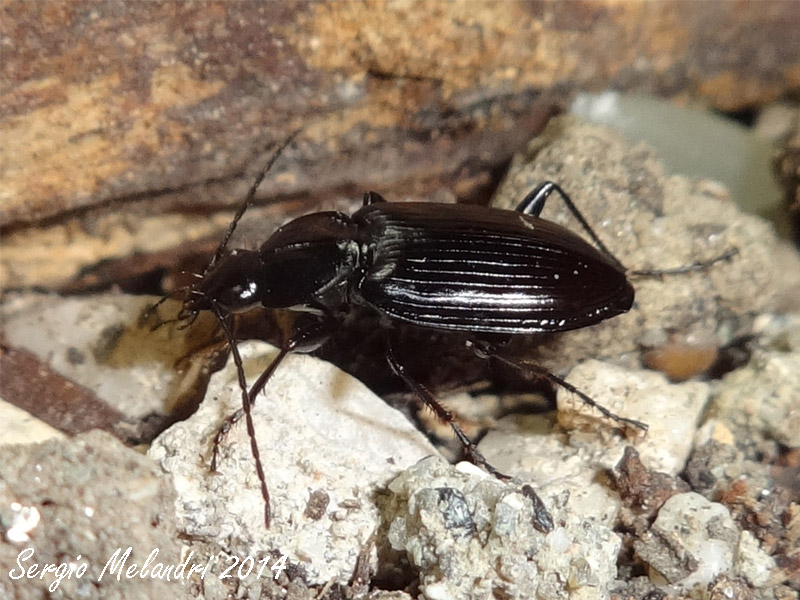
(115, 114)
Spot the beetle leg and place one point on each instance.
(485, 350)
(249, 399)
(700, 265)
(444, 415)
(542, 519)
(248, 416)
(372, 198)
(307, 338)
(533, 204)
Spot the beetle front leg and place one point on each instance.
(224, 320)
(308, 337)
(305, 339)
(231, 420)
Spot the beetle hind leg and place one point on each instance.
(485, 350)
(372, 198)
(534, 202)
(542, 519)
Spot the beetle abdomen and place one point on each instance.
(475, 269)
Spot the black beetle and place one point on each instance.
(440, 266)
(472, 269)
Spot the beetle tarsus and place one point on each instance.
(542, 520)
(222, 432)
(700, 265)
(487, 350)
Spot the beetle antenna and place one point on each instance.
(248, 199)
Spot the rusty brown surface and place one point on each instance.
(644, 490)
(680, 362)
(118, 117)
(30, 384)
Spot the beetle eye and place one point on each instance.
(241, 296)
(247, 292)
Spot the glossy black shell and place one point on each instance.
(477, 269)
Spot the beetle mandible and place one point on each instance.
(471, 269)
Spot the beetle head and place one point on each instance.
(233, 284)
(296, 267)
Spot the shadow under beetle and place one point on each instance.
(472, 269)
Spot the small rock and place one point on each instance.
(320, 432)
(20, 427)
(691, 541)
(76, 502)
(710, 463)
(470, 536)
(726, 586)
(642, 489)
(751, 562)
(763, 399)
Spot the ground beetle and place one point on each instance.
(481, 271)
